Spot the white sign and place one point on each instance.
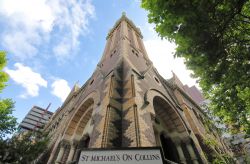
(127, 156)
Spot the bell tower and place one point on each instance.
(126, 103)
(124, 61)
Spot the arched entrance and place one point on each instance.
(81, 112)
(75, 130)
(81, 135)
(169, 130)
(169, 148)
(82, 144)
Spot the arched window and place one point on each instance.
(84, 142)
(169, 124)
(84, 112)
(169, 149)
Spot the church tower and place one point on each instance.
(126, 103)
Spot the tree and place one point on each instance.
(7, 121)
(214, 39)
(23, 148)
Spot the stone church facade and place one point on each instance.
(126, 103)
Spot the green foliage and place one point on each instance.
(211, 142)
(222, 159)
(21, 149)
(214, 38)
(247, 159)
(24, 148)
(3, 75)
(7, 121)
(214, 156)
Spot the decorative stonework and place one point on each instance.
(148, 131)
(149, 134)
(125, 103)
(96, 119)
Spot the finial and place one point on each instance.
(76, 86)
(123, 13)
(173, 73)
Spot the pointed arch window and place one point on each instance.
(169, 149)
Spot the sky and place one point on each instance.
(53, 44)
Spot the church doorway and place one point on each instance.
(169, 149)
(168, 127)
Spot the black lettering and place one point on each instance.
(84, 158)
(158, 157)
(124, 157)
(155, 157)
(105, 158)
(145, 157)
(137, 157)
(130, 157)
(127, 157)
(94, 158)
(141, 157)
(118, 157)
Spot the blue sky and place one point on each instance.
(53, 44)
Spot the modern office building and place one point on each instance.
(127, 104)
(35, 119)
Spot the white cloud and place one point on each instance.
(32, 14)
(28, 79)
(74, 20)
(32, 23)
(161, 52)
(19, 44)
(60, 88)
(62, 49)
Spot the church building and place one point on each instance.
(126, 103)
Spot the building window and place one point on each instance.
(91, 82)
(134, 52)
(157, 80)
(139, 42)
(130, 35)
(169, 149)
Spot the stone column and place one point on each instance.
(72, 151)
(77, 154)
(177, 142)
(53, 152)
(61, 152)
(181, 154)
(79, 146)
(192, 153)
